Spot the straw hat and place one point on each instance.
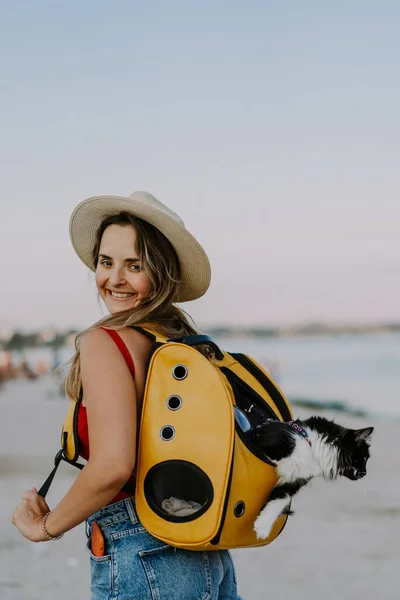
(89, 214)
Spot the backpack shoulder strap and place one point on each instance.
(188, 340)
(150, 333)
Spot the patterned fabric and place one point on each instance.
(298, 428)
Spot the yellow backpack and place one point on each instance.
(195, 446)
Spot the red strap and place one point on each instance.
(122, 348)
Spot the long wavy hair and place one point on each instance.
(157, 310)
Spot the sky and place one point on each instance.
(271, 128)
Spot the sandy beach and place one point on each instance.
(343, 541)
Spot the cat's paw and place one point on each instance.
(262, 528)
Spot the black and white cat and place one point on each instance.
(301, 450)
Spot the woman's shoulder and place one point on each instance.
(101, 335)
(95, 343)
(94, 336)
(99, 340)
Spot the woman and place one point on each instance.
(145, 261)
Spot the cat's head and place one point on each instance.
(354, 453)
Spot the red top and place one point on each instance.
(83, 432)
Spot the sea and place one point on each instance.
(353, 373)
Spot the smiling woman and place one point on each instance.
(144, 261)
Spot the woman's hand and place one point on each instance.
(26, 516)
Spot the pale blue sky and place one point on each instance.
(272, 128)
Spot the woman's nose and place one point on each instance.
(116, 276)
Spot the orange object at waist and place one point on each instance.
(84, 451)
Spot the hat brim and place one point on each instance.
(194, 264)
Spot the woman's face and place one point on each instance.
(121, 282)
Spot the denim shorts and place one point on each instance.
(138, 566)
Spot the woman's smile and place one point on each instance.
(120, 295)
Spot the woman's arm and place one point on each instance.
(110, 399)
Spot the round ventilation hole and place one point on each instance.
(239, 509)
(180, 372)
(174, 402)
(167, 433)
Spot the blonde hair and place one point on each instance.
(157, 310)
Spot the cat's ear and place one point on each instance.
(364, 435)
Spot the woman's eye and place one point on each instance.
(105, 263)
(134, 267)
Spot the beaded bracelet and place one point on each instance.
(42, 522)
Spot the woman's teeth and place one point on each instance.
(120, 294)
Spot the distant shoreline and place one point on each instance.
(56, 339)
(320, 329)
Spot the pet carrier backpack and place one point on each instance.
(196, 447)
